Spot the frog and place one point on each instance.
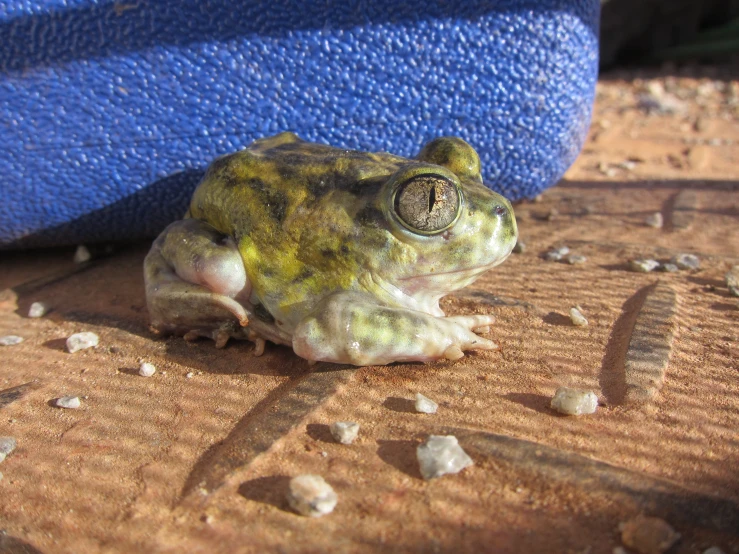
(340, 254)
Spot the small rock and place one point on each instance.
(82, 254)
(686, 261)
(662, 104)
(713, 550)
(655, 220)
(10, 340)
(81, 341)
(147, 369)
(344, 431)
(627, 165)
(578, 320)
(69, 402)
(425, 405)
(556, 254)
(732, 280)
(574, 402)
(648, 535)
(189, 375)
(37, 309)
(643, 266)
(576, 259)
(669, 268)
(7, 445)
(520, 247)
(441, 455)
(311, 495)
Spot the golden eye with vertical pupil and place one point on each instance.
(427, 204)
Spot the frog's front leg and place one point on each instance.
(196, 284)
(351, 327)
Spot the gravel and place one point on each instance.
(37, 309)
(7, 445)
(556, 254)
(344, 432)
(576, 259)
(82, 341)
(69, 402)
(643, 266)
(686, 261)
(655, 220)
(669, 268)
(578, 320)
(648, 535)
(82, 255)
(520, 247)
(10, 340)
(147, 369)
(441, 455)
(425, 405)
(311, 495)
(574, 401)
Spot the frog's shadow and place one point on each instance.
(237, 358)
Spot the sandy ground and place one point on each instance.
(197, 458)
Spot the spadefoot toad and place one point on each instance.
(342, 255)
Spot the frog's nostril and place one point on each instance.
(500, 210)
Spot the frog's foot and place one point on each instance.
(219, 336)
(350, 327)
(196, 284)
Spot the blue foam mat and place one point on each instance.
(112, 111)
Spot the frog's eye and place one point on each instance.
(427, 204)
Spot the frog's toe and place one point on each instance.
(454, 352)
(474, 322)
(221, 338)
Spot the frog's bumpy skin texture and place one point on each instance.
(112, 111)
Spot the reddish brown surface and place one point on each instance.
(122, 473)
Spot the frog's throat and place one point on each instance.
(423, 292)
(442, 283)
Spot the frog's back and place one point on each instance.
(296, 211)
(263, 184)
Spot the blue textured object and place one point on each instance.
(110, 112)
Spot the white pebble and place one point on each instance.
(713, 550)
(574, 402)
(557, 254)
(7, 445)
(189, 375)
(578, 320)
(10, 340)
(425, 405)
(655, 220)
(344, 431)
(82, 254)
(311, 495)
(37, 309)
(69, 402)
(82, 341)
(576, 259)
(2, 457)
(643, 266)
(441, 455)
(146, 369)
(686, 261)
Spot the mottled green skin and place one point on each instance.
(325, 253)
